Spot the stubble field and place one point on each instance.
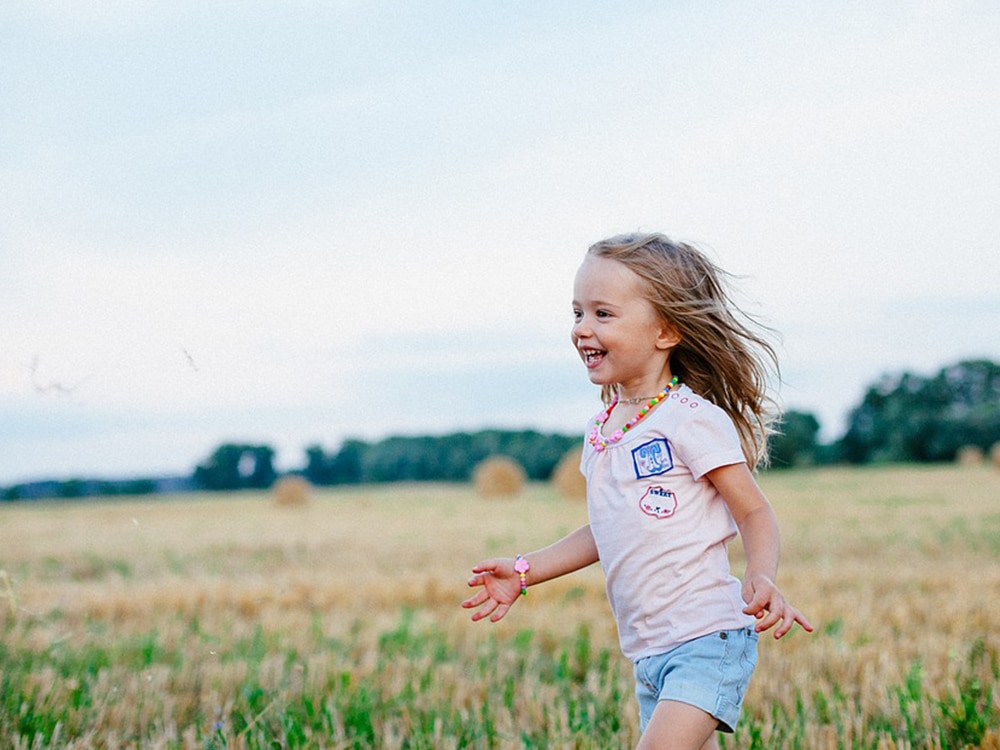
(229, 622)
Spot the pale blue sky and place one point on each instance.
(300, 222)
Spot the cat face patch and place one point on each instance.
(658, 503)
(652, 458)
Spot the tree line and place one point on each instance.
(447, 458)
(904, 417)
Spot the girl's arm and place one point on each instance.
(758, 527)
(501, 584)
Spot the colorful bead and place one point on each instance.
(522, 567)
(600, 443)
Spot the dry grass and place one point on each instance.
(897, 567)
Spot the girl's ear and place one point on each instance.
(668, 338)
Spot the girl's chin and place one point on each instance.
(597, 379)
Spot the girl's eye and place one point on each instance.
(603, 314)
(577, 314)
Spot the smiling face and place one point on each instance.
(617, 331)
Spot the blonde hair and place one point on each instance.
(723, 354)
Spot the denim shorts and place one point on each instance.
(711, 672)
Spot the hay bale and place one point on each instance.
(995, 455)
(566, 477)
(498, 476)
(291, 491)
(969, 455)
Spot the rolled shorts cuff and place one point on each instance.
(710, 673)
(725, 711)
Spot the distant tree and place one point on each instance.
(73, 488)
(137, 487)
(79, 488)
(910, 417)
(317, 468)
(348, 465)
(235, 467)
(449, 458)
(795, 444)
(344, 467)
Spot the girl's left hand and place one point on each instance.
(765, 602)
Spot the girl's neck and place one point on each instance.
(612, 424)
(641, 392)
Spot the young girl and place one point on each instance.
(668, 467)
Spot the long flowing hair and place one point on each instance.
(724, 354)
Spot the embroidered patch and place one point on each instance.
(652, 458)
(658, 502)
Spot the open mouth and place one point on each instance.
(592, 357)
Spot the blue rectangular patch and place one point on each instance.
(652, 458)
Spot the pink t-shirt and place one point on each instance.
(662, 530)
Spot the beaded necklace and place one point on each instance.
(600, 443)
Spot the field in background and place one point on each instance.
(226, 621)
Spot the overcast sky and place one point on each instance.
(295, 223)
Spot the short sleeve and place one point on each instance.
(707, 439)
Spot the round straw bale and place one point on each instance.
(995, 455)
(566, 477)
(969, 455)
(498, 476)
(291, 491)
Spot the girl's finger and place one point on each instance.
(502, 610)
(486, 566)
(786, 625)
(488, 608)
(475, 601)
(756, 606)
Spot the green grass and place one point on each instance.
(413, 693)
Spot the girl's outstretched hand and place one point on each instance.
(765, 602)
(501, 586)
